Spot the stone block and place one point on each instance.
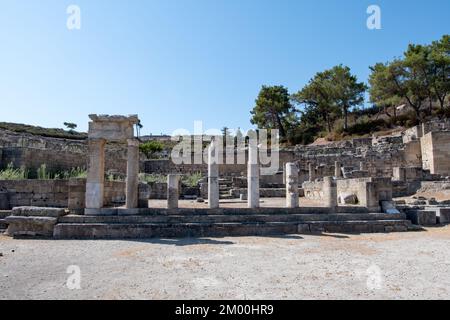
(38, 212)
(444, 215)
(348, 198)
(4, 201)
(30, 226)
(389, 207)
(422, 217)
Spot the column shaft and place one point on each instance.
(330, 192)
(213, 176)
(173, 193)
(96, 174)
(132, 182)
(253, 177)
(292, 196)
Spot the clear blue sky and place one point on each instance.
(174, 62)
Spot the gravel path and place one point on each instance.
(378, 266)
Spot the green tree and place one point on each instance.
(150, 148)
(422, 75)
(273, 110)
(382, 91)
(440, 61)
(318, 100)
(346, 91)
(70, 125)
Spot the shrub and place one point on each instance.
(192, 180)
(152, 178)
(42, 173)
(10, 173)
(72, 173)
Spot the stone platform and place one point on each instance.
(181, 223)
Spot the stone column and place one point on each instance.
(173, 193)
(337, 169)
(213, 176)
(253, 176)
(330, 192)
(312, 176)
(132, 182)
(96, 174)
(292, 196)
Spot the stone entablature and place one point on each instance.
(112, 128)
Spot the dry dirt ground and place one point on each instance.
(379, 266)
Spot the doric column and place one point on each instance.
(173, 193)
(132, 182)
(292, 196)
(330, 192)
(213, 176)
(253, 176)
(337, 169)
(96, 174)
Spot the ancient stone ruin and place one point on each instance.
(378, 184)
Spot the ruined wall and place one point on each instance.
(31, 151)
(313, 190)
(369, 191)
(436, 152)
(40, 193)
(158, 191)
(114, 194)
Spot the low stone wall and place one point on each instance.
(436, 152)
(114, 194)
(263, 192)
(40, 193)
(313, 190)
(158, 191)
(369, 191)
(434, 186)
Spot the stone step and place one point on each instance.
(5, 213)
(230, 211)
(174, 219)
(182, 230)
(3, 224)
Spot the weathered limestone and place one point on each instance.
(422, 217)
(112, 128)
(33, 221)
(436, 152)
(38, 212)
(311, 170)
(253, 176)
(330, 192)
(292, 194)
(30, 226)
(348, 198)
(96, 174)
(173, 193)
(213, 176)
(132, 182)
(337, 169)
(144, 191)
